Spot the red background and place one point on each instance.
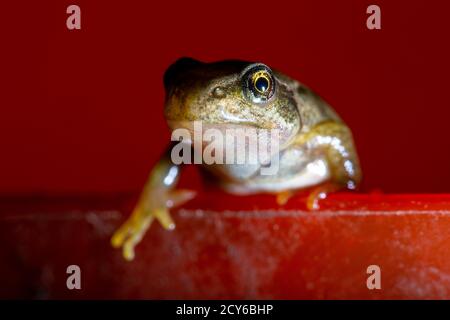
(81, 111)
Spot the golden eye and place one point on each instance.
(258, 83)
(261, 82)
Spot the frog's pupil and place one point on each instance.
(262, 84)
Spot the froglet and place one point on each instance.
(316, 148)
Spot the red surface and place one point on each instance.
(81, 111)
(255, 252)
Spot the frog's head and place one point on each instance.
(229, 94)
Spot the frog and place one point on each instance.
(316, 148)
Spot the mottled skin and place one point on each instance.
(219, 95)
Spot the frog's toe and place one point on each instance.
(163, 216)
(312, 203)
(134, 237)
(319, 193)
(178, 197)
(120, 235)
(283, 197)
(172, 199)
(131, 233)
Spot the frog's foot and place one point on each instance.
(319, 193)
(283, 197)
(133, 230)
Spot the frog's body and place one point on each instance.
(315, 146)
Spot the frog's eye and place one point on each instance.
(259, 84)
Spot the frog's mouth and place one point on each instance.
(198, 130)
(199, 127)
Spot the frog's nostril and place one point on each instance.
(218, 92)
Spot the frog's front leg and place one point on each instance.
(335, 141)
(155, 201)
